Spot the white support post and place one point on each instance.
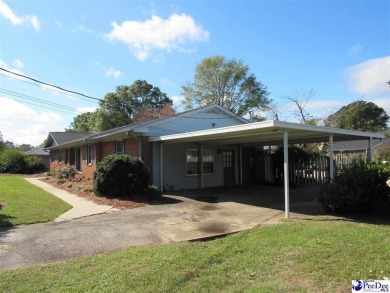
(161, 168)
(331, 167)
(286, 176)
(201, 166)
(369, 150)
(240, 152)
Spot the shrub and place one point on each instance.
(67, 172)
(12, 161)
(34, 164)
(361, 188)
(120, 176)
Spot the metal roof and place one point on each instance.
(266, 133)
(37, 152)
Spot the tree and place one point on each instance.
(25, 147)
(227, 83)
(359, 115)
(82, 123)
(122, 107)
(300, 100)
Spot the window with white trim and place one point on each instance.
(90, 153)
(119, 147)
(192, 162)
(208, 161)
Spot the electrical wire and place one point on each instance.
(48, 88)
(51, 85)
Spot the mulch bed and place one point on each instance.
(83, 187)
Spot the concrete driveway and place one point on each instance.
(185, 216)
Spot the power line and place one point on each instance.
(48, 84)
(19, 95)
(48, 88)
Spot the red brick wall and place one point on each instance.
(132, 147)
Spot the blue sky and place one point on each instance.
(340, 49)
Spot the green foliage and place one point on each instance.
(120, 108)
(359, 115)
(227, 83)
(15, 162)
(120, 176)
(67, 172)
(83, 123)
(359, 189)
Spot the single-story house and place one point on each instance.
(204, 147)
(42, 154)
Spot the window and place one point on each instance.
(52, 156)
(90, 153)
(208, 161)
(192, 161)
(59, 156)
(119, 147)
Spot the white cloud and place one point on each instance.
(355, 50)
(113, 72)
(370, 77)
(7, 13)
(86, 109)
(177, 100)
(22, 124)
(169, 34)
(18, 65)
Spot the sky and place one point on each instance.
(338, 49)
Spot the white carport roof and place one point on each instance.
(266, 133)
(269, 133)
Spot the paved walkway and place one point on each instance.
(81, 207)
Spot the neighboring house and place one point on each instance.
(42, 154)
(357, 147)
(204, 147)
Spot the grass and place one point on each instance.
(26, 203)
(317, 255)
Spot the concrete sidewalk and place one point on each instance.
(81, 207)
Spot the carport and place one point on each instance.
(264, 134)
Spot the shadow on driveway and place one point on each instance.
(302, 199)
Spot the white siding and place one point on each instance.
(193, 122)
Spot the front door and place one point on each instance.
(77, 155)
(228, 167)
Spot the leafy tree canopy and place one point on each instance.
(82, 123)
(359, 115)
(227, 83)
(137, 102)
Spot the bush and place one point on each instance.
(12, 161)
(120, 176)
(67, 172)
(359, 189)
(15, 162)
(34, 164)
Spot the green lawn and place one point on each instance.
(26, 203)
(317, 255)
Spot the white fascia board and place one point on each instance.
(297, 126)
(266, 124)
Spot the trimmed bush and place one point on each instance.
(120, 176)
(359, 189)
